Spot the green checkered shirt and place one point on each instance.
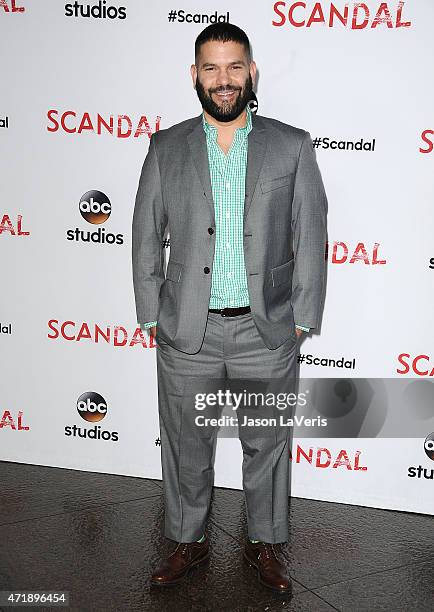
(228, 178)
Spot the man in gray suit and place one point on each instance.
(243, 200)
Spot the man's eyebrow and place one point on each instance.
(207, 64)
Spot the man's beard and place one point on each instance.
(228, 111)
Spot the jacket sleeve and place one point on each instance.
(309, 227)
(149, 223)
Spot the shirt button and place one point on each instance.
(228, 214)
(210, 230)
(229, 274)
(228, 185)
(228, 244)
(206, 270)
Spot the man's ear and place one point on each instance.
(193, 72)
(253, 72)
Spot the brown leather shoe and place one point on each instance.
(178, 564)
(272, 572)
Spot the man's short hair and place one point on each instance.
(223, 32)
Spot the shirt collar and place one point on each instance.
(211, 130)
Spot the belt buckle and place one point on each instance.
(225, 311)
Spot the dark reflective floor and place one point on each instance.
(98, 536)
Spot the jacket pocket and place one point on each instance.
(174, 271)
(276, 182)
(282, 274)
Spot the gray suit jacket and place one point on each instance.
(285, 233)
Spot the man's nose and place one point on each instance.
(223, 77)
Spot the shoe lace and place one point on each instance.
(269, 551)
(183, 548)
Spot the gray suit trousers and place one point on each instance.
(232, 349)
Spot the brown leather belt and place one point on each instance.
(231, 312)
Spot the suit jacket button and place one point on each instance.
(206, 270)
(210, 230)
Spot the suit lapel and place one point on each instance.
(199, 152)
(257, 144)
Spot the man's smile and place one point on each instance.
(226, 95)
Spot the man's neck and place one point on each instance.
(228, 126)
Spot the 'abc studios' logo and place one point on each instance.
(429, 446)
(91, 406)
(253, 103)
(95, 207)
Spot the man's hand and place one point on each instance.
(298, 332)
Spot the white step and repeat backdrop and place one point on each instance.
(83, 86)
